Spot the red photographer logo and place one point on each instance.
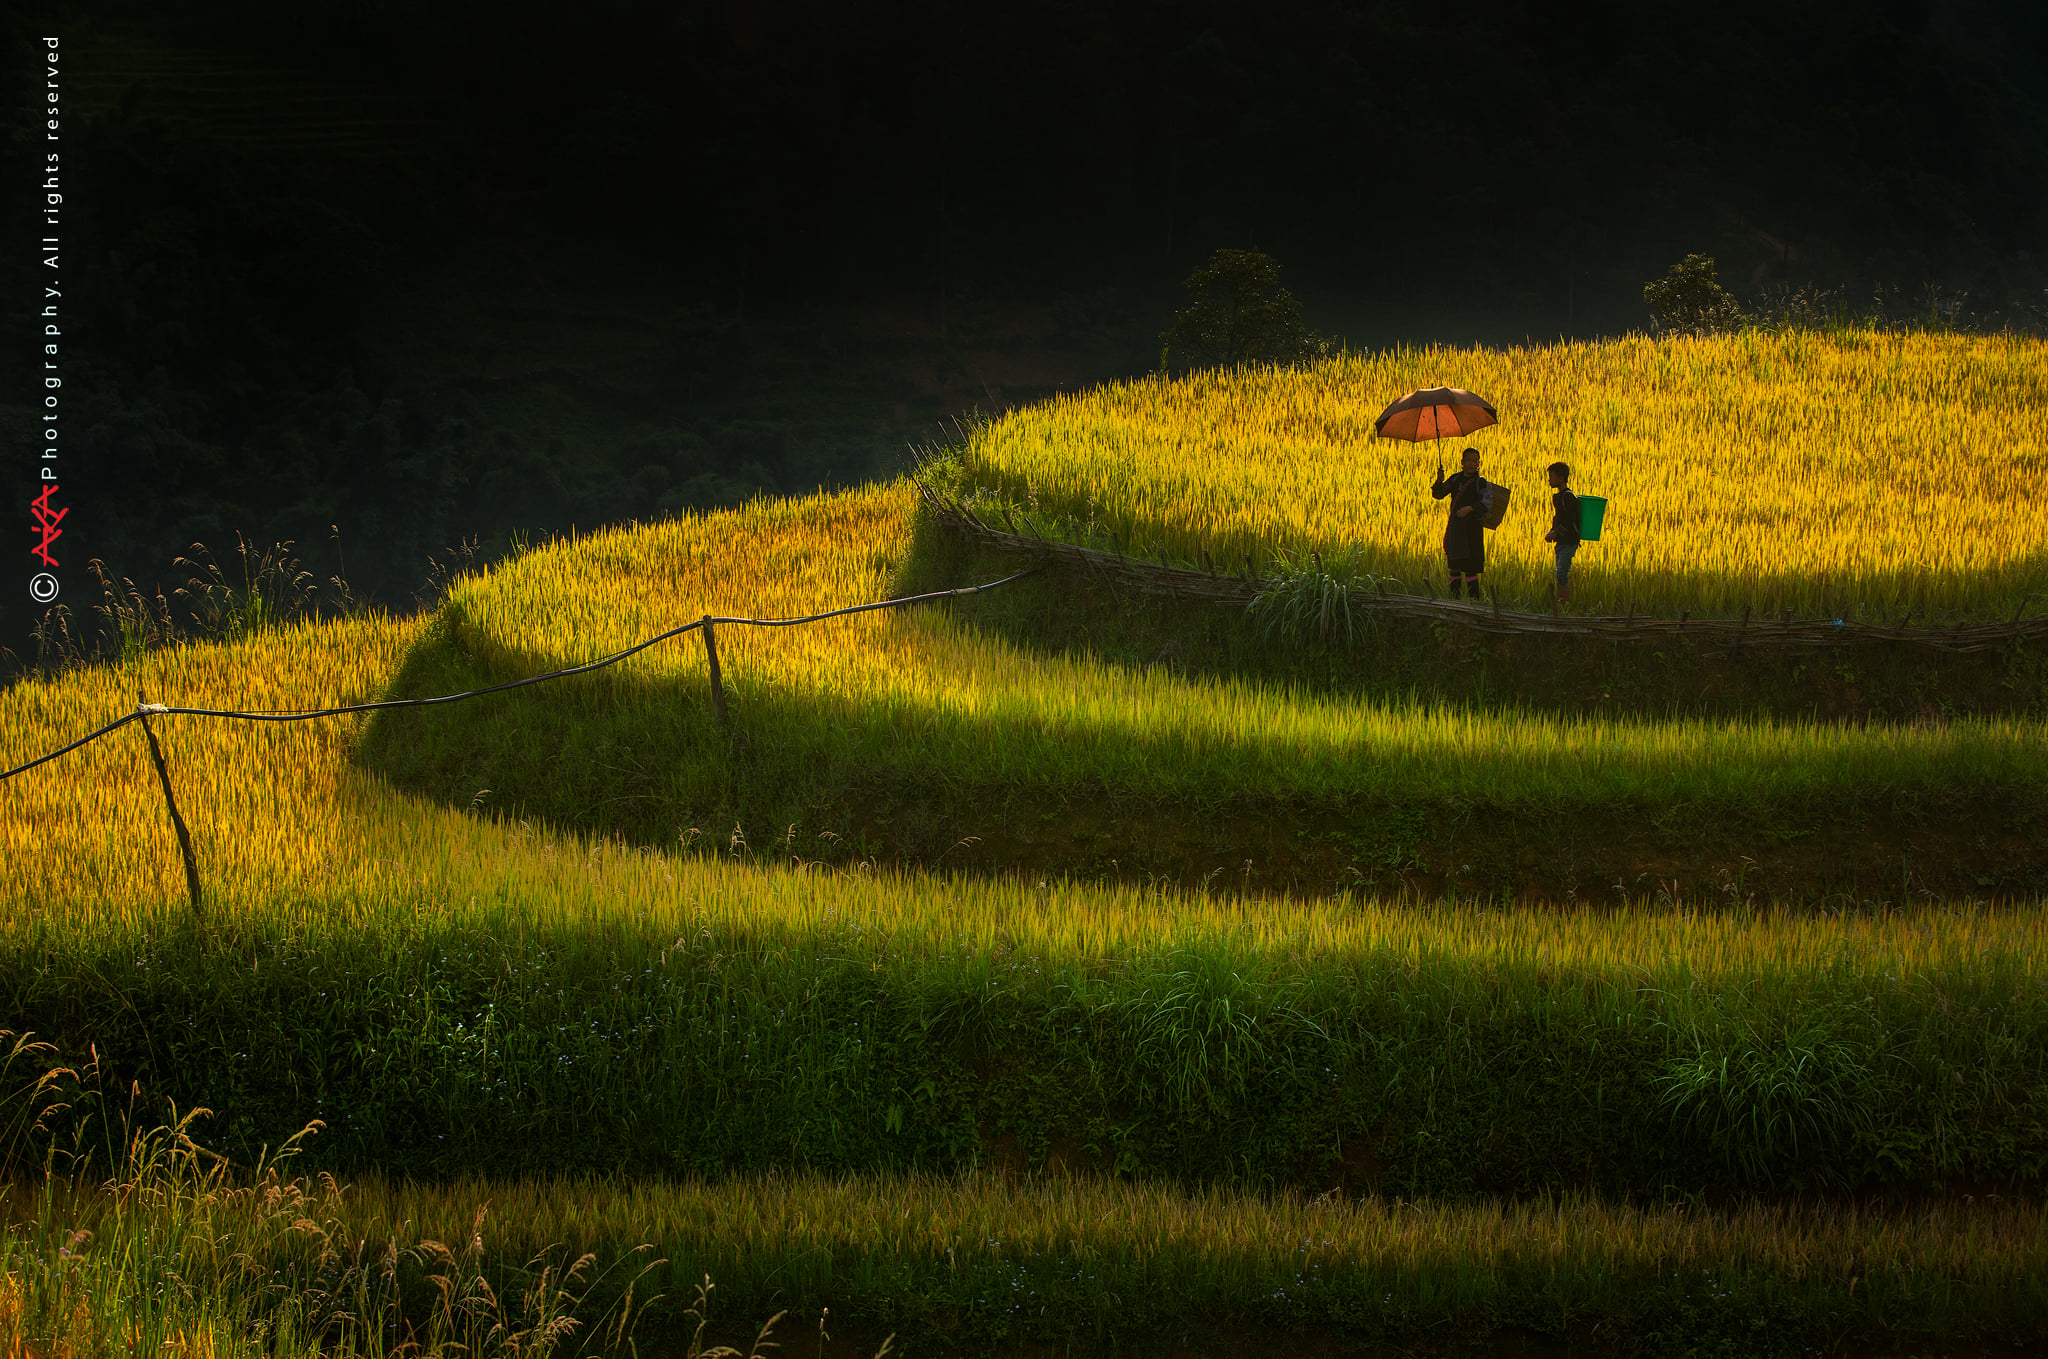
(43, 587)
(48, 517)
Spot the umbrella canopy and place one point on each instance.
(1434, 413)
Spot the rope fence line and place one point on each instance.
(144, 711)
(1224, 587)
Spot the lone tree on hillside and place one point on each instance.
(1240, 314)
(1691, 301)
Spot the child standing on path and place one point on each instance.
(1564, 527)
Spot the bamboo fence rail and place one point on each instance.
(1224, 586)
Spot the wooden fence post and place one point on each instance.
(163, 774)
(717, 683)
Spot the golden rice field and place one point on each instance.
(283, 821)
(279, 812)
(1860, 472)
(973, 700)
(279, 809)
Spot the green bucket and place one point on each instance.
(1592, 509)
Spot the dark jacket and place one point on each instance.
(1465, 536)
(1564, 518)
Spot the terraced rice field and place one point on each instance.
(1854, 473)
(915, 688)
(986, 1110)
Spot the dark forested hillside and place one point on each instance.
(812, 148)
(433, 272)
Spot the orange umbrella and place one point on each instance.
(1434, 413)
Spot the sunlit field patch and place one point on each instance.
(1855, 473)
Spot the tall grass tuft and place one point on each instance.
(1306, 601)
(172, 1248)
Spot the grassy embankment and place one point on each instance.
(172, 1257)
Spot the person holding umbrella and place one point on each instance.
(1471, 498)
(1452, 412)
